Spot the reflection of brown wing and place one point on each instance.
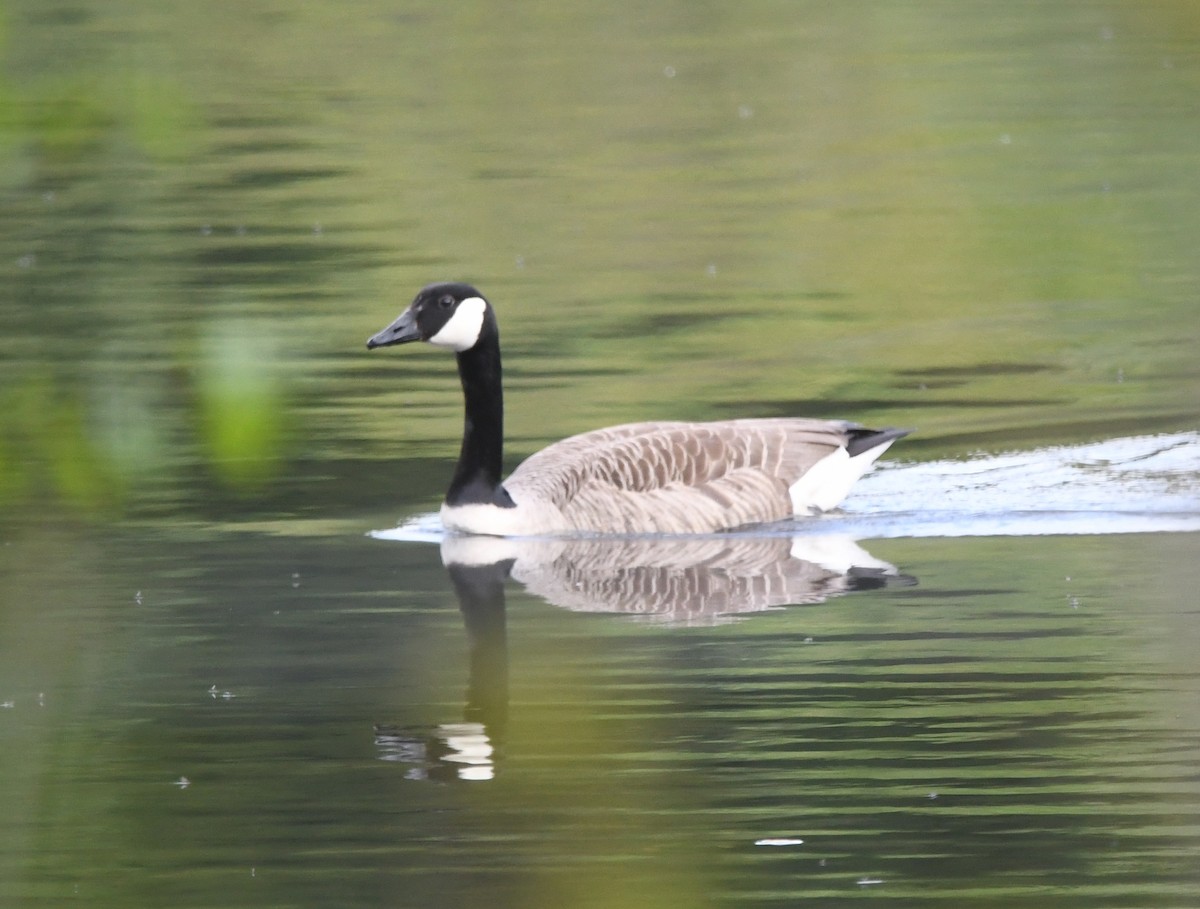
(677, 477)
(696, 581)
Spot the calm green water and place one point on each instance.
(977, 219)
(1023, 724)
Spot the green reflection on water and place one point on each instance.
(976, 219)
(1025, 719)
(241, 401)
(45, 448)
(815, 212)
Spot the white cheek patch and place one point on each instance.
(462, 331)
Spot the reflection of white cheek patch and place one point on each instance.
(462, 331)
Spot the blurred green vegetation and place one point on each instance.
(91, 149)
(242, 404)
(46, 451)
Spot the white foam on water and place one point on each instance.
(1142, 484)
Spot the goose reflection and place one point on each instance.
(679, 581)
(467, 750)
(692, 581)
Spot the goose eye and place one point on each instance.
(445, 301)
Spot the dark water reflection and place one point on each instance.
(685, 581)
(937, 743)
(1015, 725)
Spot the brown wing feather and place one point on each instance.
(677, 477)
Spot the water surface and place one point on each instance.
(975, 685)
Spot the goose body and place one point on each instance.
(656, 477)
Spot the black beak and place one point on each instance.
(403, 330)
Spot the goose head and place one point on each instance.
(451, 315)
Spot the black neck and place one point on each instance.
(477, 476)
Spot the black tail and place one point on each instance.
(865, 439)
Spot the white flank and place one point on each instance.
(462, 331)
(490, 520)
(828, 481)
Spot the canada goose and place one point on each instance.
(637, 478)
